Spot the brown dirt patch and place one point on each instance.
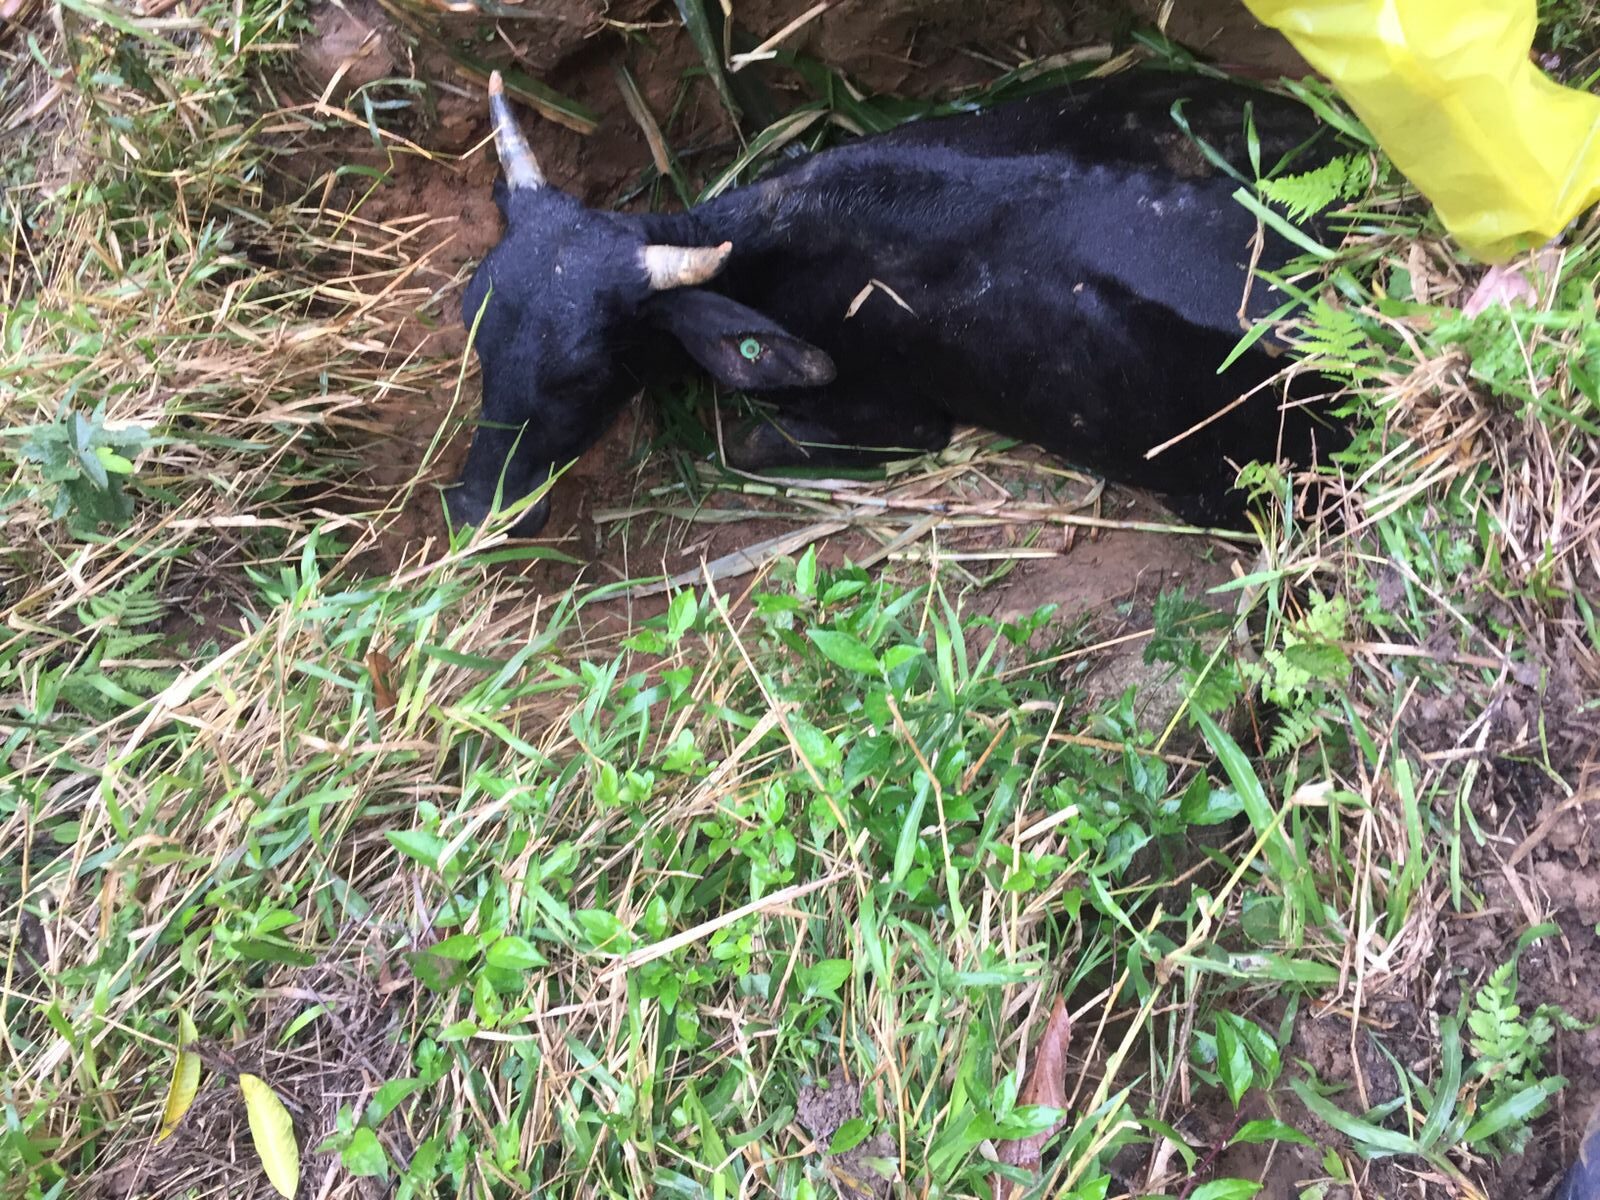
(1225, 32)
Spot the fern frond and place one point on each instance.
(1337, 341)
(1295, 729)
(1304, 195)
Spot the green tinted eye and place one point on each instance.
(750, 348)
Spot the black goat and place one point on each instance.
(1067, 269)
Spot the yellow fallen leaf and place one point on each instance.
(272, 1129)
(185, 1078)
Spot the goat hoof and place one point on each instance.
(763, 445)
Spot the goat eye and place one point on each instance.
(750, 348)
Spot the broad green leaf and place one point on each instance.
(944, 662)
(459, 947)
(805, 573)
(1176, 1140)
(418, 845)
(680, 614)
(820, 750)
(364, 1155)
(1260, 917)
(1256, 967)
(390, 1095)
(850, 1135)
(910, 840)
(112, 461)
(1233, 1061)
(824, 978)
(1260, 1044)
(845, 650)
(1029, 1120)
(1203, 804)
(514, 953)
(605, 932)
(1226, 1189)
(185, 1078)
(272, 1130)
(293, 1028)
(841, 590)
(896, 657)
(646, 641)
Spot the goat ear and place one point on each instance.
(740, 347)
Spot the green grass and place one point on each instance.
(500, 903)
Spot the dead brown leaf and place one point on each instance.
(379, 666)
(1501, 286)
(1514, 283)
(1045, 1084)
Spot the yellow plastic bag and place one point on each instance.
(1507, 156)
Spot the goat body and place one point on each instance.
(1069, 269)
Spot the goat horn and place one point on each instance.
(682, 266)
(516, 158)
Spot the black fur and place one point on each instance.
(1067, 269)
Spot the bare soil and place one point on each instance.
(923, 47)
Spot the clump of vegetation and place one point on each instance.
(1571, 27)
